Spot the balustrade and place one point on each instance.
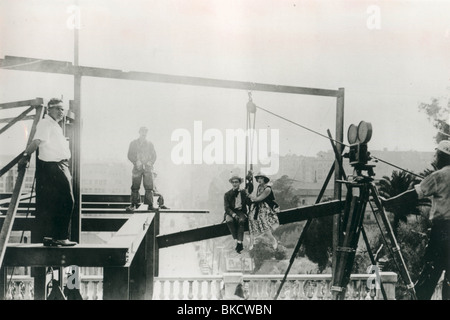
(218, 287)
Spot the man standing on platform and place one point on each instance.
(54, 195)
(142, 155)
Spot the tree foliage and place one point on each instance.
(438, 112)
(285, 194)
(263, 251)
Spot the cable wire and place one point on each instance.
(336, 141)
(301, 126)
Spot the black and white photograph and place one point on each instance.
(224, 155)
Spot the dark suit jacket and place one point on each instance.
(230, 201)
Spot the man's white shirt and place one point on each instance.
(53, 146)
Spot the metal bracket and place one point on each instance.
(337, 289)
(345, 249)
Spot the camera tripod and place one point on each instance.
(359, 191)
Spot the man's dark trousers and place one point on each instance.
(237, 226)
(437, 259)
(54, 200)
(144, 176)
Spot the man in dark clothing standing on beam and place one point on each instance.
(142, 155)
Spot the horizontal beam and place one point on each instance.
(20, 117)
(25, 118)
(64, 67)
(219, 230)
(36, 255)
(122, 210)
(102, 224)
(88, 224)
(23, 103)
(183, 211)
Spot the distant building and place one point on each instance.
(108, 178)
(315, 169)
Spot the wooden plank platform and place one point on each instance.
(117, 252)
(36, 255)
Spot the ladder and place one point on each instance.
(36, 104)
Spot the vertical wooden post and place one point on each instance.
(3, 283)
(138, 274)
(157, 223)
(116, 283)
(39, 287)
(76, 147)
(150, 254)
(338, 171)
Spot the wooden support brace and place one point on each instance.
(23, 103)
(219, 230)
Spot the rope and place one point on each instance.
(250, 127)
(299, 125)
(252, 138)
(393, 165)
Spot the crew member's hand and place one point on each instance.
(234, 215)
(23, 162)
(138, 165)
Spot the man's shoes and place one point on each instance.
(64, 243)
(150, 207)
(164, 207)
(50, 242)
(131, 208)
(239, 247)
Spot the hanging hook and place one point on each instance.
(251, 107)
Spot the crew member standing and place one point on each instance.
(437, 258)
(54, 195)
(142, 155)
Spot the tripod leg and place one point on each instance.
(345, 253)
(394, 249)
(303, 234)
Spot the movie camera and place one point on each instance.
(358, 154)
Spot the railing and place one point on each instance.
(264, 287)
(188, 288)
(22, 287)
(255, 287)
(314, 287)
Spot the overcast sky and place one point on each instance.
(388, 55)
